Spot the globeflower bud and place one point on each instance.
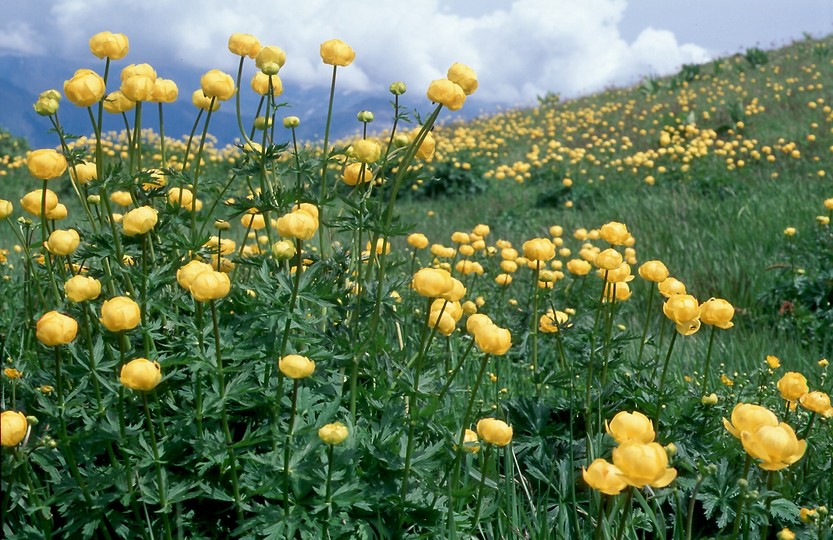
(291, 122)
(653, 271)
(367, 151)
(365, 116)
(6, 208)
(614, 233)
(297, 224)
(717, 312)
(85, 88)
(432, 283)
(109, 45)
(55, 328)
(46, 163)
(333, 434)
(48, 102)
(397, 88)
(417, 241)
(141, 374)
(13, 426)
(539, 249)
(335, 52)
(82, 288)
(296, 366)
(283, 250)
(119, 314)
(164, 91)
(494, 431)
(578, 267)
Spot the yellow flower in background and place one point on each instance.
(31, 202)
(55, 328)
(164, 91)
(83, 173)
(643, 464)
(579, 267)
(792, 386)
(749, 417)
(726, 380)
(620, 274)
(785, 534)
(470, 442)
(12, 373)
(417, 241)
(141, 374)
(815, 401)
(609, 259)
(367, 151)
(551, 321)
(465, 77)
(82, 288)
(13, 427)
(773, 362)
(121, 198)
(717, 312)
(244, 45)
(432, 282)
(117, 103)
(614, 233)
(139, 220)
(297, 224)
(333, 434)
(776, 446)
(335, 52)
(85, 88)
(109, 45)
(291, 122)
(603, 476)
(186, 274)
(442, 321)
(260, 84)
(654, 271)
(621, 290)
(46, 163)
(138, 87)
(63, 242)
(494, 431)
(448, 93)
(254, 222)
(356, 173)
(789, 231)
(120, 313)
(296, 366)
(492, 339)
(626, 427)
(671, 286)
(211, 285)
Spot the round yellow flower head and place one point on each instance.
(417, 241)
(283, 250)
(13, 426)
(186, 274)
(653, 271)
(297, 224)
(792, 386)
(201, 101)
(367, 151)
(643, 464)
(82, 288)
(426, 147)
(117, 103)
(470, 442)
(31, 202)
(244, 45)
(211, 285)
(749, 417)
(448, 93)
(442, 321)
(261, 84)
(55, 328)
(717, 312)
(120, 313)
(164, 91)
(492, 339)
(578, 267)
(626, 427)
(138, 87)
(296, 366)
(217, 84)
(63, 242)
(539, 249)
(671, 286)
(494, 431)
(603, 476)
(109, 45)
(776, 446)
(139, 220)
(333, 434)
(785, 534)
(432, 282)
(615, 233)
(477, 321)
(335, 52)
(46, 163)
(291, 122)
(356, 173)
(609, 259)
(141, 374)
(85, 88)
(83, 173)
(816, 401)
(551, 321)
(270, 59)
(463, 76)
(773, 362)
(6, 208)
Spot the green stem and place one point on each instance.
(661, 386)
(160, 479)
(534, 330)
(325, 161)
(287, 446)
(328, 489)
(626, 510)
(708, 362)
(162, 137)
(483, 470)
(454, 372)
(691, 504)
(741, 499)
(197, 169)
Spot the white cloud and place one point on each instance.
(519, 49)
(19, 38)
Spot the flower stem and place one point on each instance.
(160, 479)
(626, 510)
(651, 293)
(741, 499)
(661, 386)
(483, 470)
(708, 362)
(287, 446)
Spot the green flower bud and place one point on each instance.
(291, 122)
(397, 88)
(365, 116)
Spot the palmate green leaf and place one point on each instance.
(784, 510)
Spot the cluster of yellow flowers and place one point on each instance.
(764, 438)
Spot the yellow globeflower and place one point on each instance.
(653, 271)
(297, 224)
(609, 259)
(261, 84)
(626, 427)
(492, 339)
(141, 374)
(84, 172)
(244, 45)
(578, 267)
(465, 77)
(477, 321)
(717, 312)
(816, 401)
(55, 328)
(356, 173)
(63, 242)
(776, 446)
(494, 431)
(31, 202)
(792, 386)
(211, 285)
(551, 321)
(186, 274)
(417, 241)
(749, 417)
(139, 220)
(109, 45)
(670, 286)
(217, 84)
(448, 93)
(85, 88)
(367, 151)
(432, 282)
(120, 313)
(138, 87)
(164, 91)
(6, 208)
(201, 101)
(46, 163)
(117, 103)
(335, 52)
(615, 233)
(333, 434)
(296, 366)
(539, 249)
(603, 476)
(643, 464)
(13, 426)
(82, 288)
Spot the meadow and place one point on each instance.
(607, 317)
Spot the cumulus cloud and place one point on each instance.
(520, 49)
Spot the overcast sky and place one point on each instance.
(520, 48)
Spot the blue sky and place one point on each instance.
(519, 48)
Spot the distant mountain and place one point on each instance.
(22, 79)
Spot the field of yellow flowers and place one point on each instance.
(603, 318)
